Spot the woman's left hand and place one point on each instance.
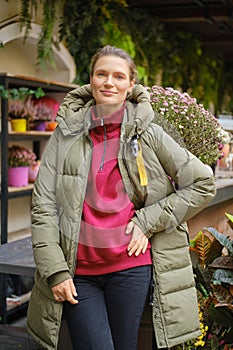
(139, 241)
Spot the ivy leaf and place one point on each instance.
(39, 93)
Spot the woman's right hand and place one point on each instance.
(65, 291)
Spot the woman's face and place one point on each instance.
(111, 80)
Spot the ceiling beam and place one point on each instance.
(191, 14)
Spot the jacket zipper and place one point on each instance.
(105, 145)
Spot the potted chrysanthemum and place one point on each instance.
(20, 159)
(189, 123)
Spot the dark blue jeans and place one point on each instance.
(109, 311)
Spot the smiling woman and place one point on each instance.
(104, 209)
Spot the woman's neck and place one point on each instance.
(102, 110)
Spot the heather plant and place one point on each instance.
(20, 156)
(189, 123)
(21, 109)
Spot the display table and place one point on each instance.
(17, 258)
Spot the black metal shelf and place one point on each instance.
(11, 81)
(19, 192)
(7, 193)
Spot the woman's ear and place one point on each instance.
(132, 82)
(129, 92)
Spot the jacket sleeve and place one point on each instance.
(48, 255)
(194, 186)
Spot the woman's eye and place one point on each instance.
(120, 77)
(101, 74)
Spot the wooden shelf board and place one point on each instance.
(31, 132)
(20, 189)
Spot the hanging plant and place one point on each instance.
(28, 9)
(83, 30)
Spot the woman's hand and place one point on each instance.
(65, 291)
(139, 241)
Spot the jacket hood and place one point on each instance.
(74, 113)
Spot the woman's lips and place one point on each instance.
(108, 93)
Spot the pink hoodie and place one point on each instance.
(107, 209)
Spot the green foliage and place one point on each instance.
(147, 36)
(83, 29)
(214, 280)
(45, 53)
(163, 56)
(20, 93)
(28, 9)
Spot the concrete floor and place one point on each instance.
(13, 336)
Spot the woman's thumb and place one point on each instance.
(129, 227)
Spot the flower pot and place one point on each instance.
(40, 126)
(50, 126)
(33, 171)
(18, 176)
(19, 124)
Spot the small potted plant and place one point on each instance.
(20, 108)
(20, 159)
(45, 114)
(19, 113)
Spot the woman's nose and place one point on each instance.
(109, 81)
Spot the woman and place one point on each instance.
(111, 199)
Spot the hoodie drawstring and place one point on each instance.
(105, 145)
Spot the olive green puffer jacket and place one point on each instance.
(161, 211)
